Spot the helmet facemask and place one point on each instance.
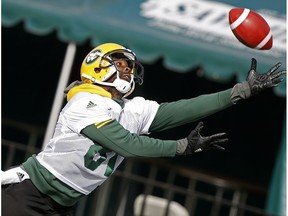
(99, 66)
(137, 70)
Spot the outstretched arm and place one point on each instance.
(173, 114)
(114, 137)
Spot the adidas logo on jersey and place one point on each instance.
(20, 176)
(90, 105)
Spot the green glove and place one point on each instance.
(259, 82)
(194, 142)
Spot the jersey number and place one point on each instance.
(92, 164)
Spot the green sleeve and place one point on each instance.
(173, 114)
(114, 137)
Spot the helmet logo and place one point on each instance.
(92, 56)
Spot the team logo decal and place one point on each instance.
(92, 56)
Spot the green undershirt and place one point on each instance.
(169, 115)
(114, 137)
(49, 185)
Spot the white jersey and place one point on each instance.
(76, 160)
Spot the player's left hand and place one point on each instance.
(259, 82)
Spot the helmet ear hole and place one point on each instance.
(97, 70)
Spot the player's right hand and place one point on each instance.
(198, 143)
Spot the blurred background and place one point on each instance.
(187, 49)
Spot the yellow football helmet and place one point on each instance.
(98, 66)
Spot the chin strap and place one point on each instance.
(121, 85)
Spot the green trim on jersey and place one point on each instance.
(114, 137)
(173, 114)
(48, 184)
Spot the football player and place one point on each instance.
(99, 127)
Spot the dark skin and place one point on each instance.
(124, 73)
